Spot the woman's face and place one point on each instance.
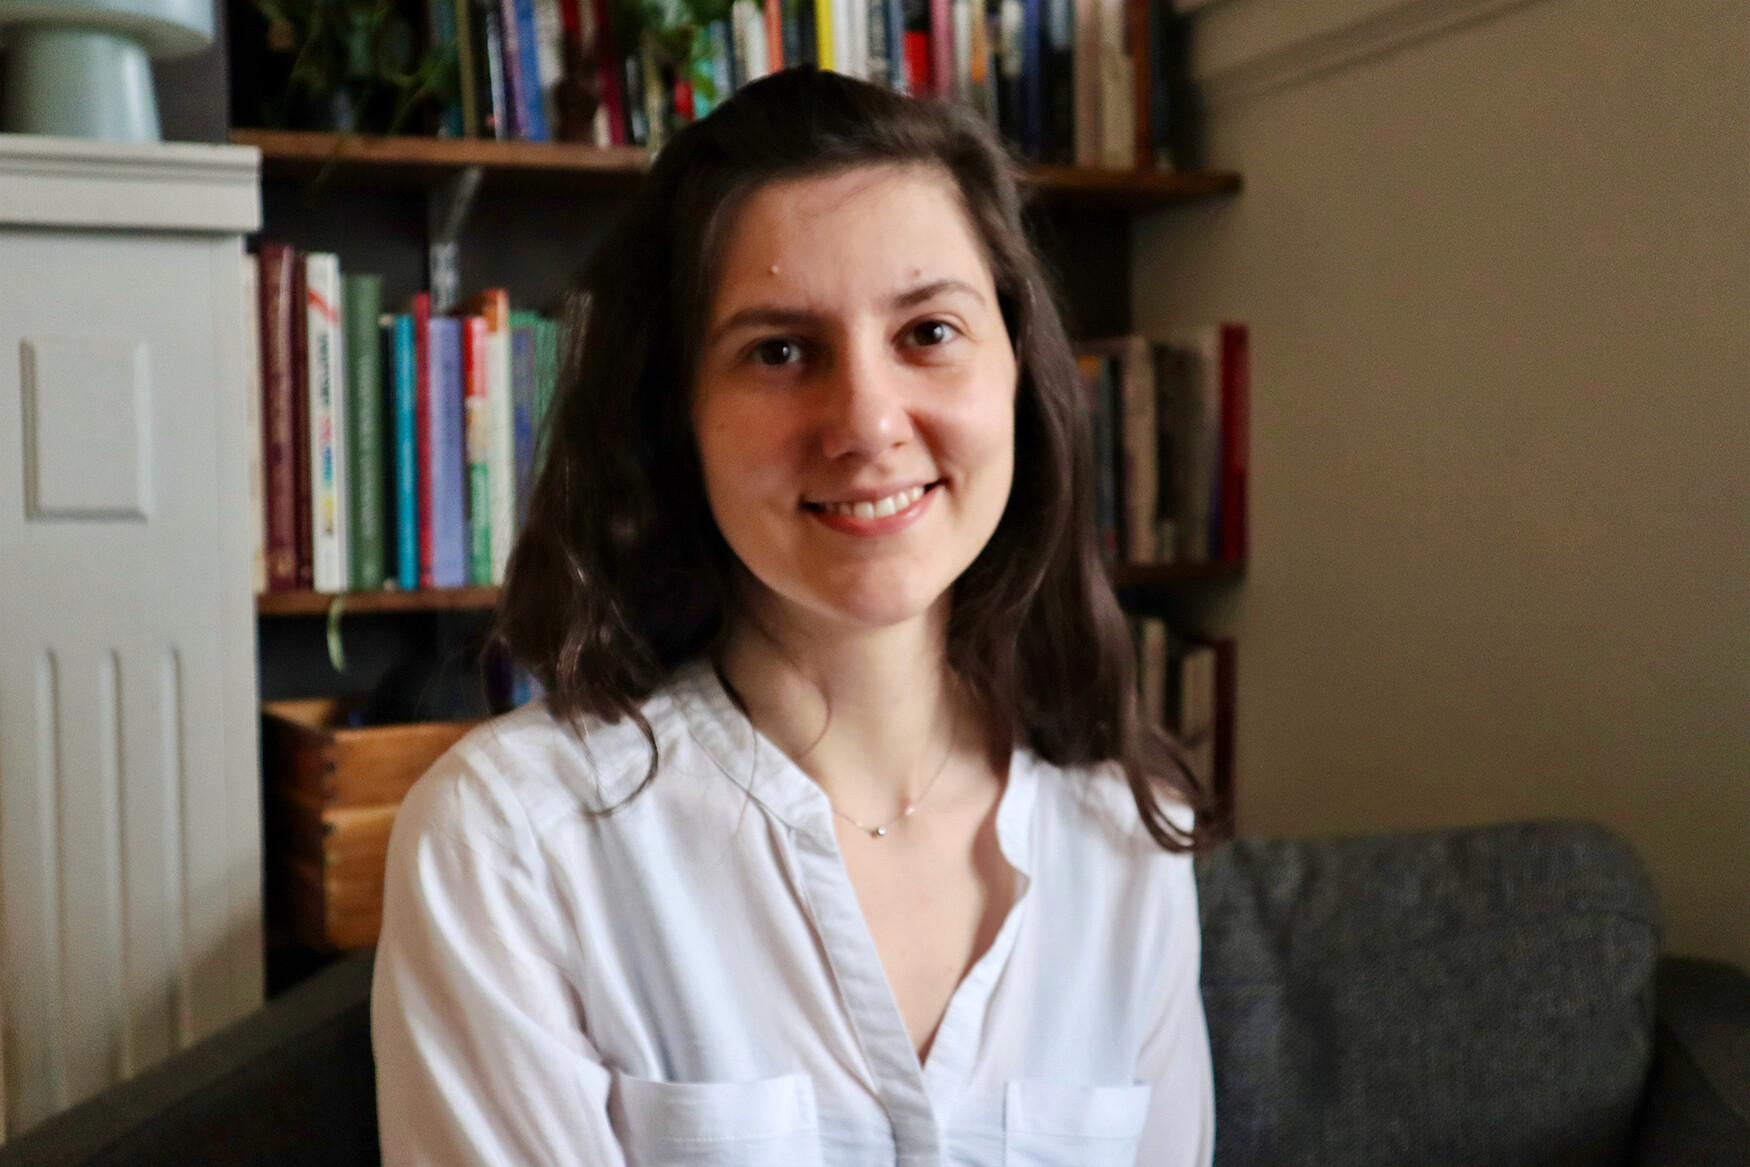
(855, 399)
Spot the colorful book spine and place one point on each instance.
(420, 311)
(403, 362)
(524, 382)
(893, 12)
(608, 72)
(301, 420)
(1235, 405)
(942, 47)
(440, 19)
(1032, 111)
(278, 415)
(823, 34)
(253, 405)
(549, 55)
(494, 305)
(772, 15)
(491, 27)
(960, 12)
(478, 425)
(325, 354)
(444, 448)
(522, 55)
(362, 300)
(1087, 87)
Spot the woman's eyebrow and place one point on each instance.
(771, 316)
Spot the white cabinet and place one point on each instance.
(130, 852)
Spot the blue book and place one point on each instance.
(402, 361)
(1033, 78)
(531, 102)
(894, 13)
(449, 524)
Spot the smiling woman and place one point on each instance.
(837, 838)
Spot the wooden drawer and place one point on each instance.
(331, 798)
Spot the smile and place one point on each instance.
(878, 509)
(880, 516)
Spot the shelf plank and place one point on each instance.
(355, 603)
(424, 163)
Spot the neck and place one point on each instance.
(866, 713)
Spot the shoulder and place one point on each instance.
(509, 780)
(1093, 806)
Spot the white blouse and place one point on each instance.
(690, 981)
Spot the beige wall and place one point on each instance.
(1499, 287)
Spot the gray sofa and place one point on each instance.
(1482, 997)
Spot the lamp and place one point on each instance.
(81, 69)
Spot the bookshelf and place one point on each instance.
(415, 163)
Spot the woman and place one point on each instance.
(837, 839)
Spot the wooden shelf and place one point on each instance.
(428, 163)
(1126, 577)
(356, 603)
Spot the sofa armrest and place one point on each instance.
(1697, 1108)
(292, 1084)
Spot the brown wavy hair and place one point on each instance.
(620, 573)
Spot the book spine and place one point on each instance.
(1087, 84)
(301, 420)
(1235, 405)
(1138, 75)
(504, 114)
(852, 22)
(1058, 80)
(1200, 440)
(962, 16)
(467, 68)
(942, 48)
(405, 364)
(449, 567)
(549, 58)
(983, 95)
(328, 446)
(478, 423)
(546, 385)
(1116, 84)
(608, 72)
(253, 407)
(772, 15)
(524, 374)
(1137, 388)
(893, 12)
(823, 34)
(421, 315)
(1032, 80)
(503, 453)
(279, 428)
(362, 297)
(440, 18)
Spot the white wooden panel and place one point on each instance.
(129, 805)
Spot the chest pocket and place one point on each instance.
(769, 1123)
(1049, 1124)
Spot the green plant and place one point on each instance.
(354, 65)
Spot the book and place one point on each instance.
(419, 311)
(1113, 62)
(301, 422)
(362, 300)
(1235, 405)
(278, 421)
(477, 424)
(1188, 374)
(443, 449)
(442, 32)
(549, 59)
(941, 18)
(524, 378)
(326, 366)
(1130, 360)
(915, 48)
(494, 305)
(467, 67)
(253, 404)
(546, 386)
(1088, 47)
(823, 33)
(772, 13)
(401, 359)
(497, 83)
(893, 12)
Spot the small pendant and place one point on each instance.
(878, 832)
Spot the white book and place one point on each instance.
(325, 362)
(1117, 97)
(501, 470)
(257, 438)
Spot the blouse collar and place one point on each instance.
(751, 760)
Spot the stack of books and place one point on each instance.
(395, 448)
(1169, 424)
(1070, 82)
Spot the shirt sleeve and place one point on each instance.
(477, 1029)
(1175, 1060)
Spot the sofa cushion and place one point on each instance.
(1464, 997)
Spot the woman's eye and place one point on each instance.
(932, 332)
(777, 351)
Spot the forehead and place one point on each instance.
(871, 223)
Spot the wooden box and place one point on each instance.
(330, 799)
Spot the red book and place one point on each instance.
(279, 429)
(301, 423)
(917, 63)
(774, 15)
(941, 48)
(1235, 405)
(420, 309)
(608, 70)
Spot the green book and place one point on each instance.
(362, 303)
(546, 380)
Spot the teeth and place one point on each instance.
(881, 508)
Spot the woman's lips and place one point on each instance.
(866, 519)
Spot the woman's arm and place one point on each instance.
(1175, 1051)
(477, 1026)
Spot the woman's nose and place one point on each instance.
(865, 411)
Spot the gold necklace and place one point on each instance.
(880, 832)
